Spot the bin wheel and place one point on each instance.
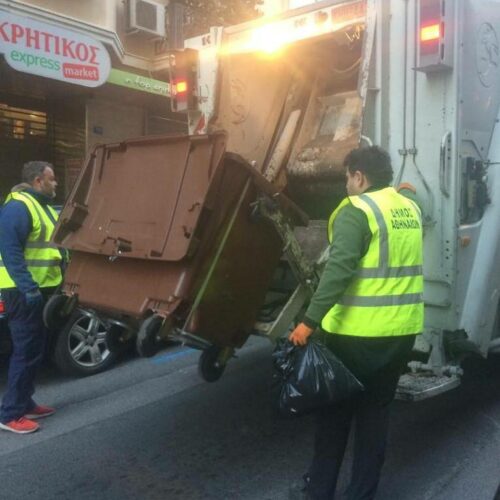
(210, 367)
(117, 339)
(53, 317)
(148, 340)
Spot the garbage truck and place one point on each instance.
(273, 106)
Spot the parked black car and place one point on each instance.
(80, 347)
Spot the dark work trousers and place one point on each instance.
(29, 337)
(377, 363)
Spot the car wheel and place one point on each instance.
(81, 346)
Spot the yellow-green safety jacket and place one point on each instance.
(43, 259)
(385, 297)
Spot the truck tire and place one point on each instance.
(81, 347)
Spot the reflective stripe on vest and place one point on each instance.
(42, 257)
(385, 298)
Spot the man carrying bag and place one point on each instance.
(369, 308)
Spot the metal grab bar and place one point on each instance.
(444, 162)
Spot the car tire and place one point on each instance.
(53, 317)
(81, 347)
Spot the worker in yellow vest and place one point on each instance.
(367, 309)
(30, 270)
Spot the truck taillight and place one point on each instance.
(435, 35)
(184, 80)
(430, 33)
(181, 87)
(2, 306)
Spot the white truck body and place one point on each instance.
(435, 112)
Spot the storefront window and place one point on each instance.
(22, 124)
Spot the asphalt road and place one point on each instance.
(152, 429)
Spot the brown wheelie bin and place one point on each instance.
(161, 235)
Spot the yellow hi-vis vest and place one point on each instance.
(385, 297)
(42, 257)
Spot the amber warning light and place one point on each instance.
(430, 33)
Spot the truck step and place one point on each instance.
(419, 386)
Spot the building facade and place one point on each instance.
(274, 7)
(77, 73)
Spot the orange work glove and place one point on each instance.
(300, 335)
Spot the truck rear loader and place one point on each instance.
(273, 106)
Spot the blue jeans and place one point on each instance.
(29, 337)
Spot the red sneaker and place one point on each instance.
(20, 426)
(40, 411)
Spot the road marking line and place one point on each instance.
(165, 358)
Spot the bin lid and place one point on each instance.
(141, 198)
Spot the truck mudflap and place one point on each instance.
(423, 385)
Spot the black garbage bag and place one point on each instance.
(311, 377)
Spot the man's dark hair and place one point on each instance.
(34, 169)
(373, 161)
